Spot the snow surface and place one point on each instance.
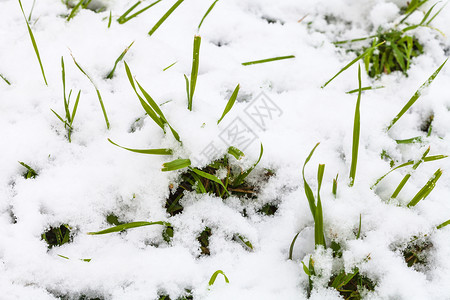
(79, 183)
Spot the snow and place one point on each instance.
(81, 182)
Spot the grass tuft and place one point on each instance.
(57, 236)
(30, 173)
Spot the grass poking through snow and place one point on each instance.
(267, 60)
(190, 84)
(165, 16)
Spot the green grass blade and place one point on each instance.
(356, 133)
(443, 224)
(110, 19)
(96, 89)
(4, 78)
(31, 173)
(214, 277)
(206, 14)
(194, 71)
(358, 235)
(367, 88)
(335, 182)
(318, 221)
(121, 56)
(291, 248)
(176, 165)
(165, 16)
(66, 101)
(200, 185)
(170, 67)
(124, 20)
(417, 139)
(416, 96)
(352, 62)
(238, 154)
(125, 14)
(128, 226)
(407, 176)
(230, 103)
(210, 177)
(427, 188)
(75, 107)
(354, 40)
(61, 119)
(308, 192)
(163, 151)
(240, 179)
(74, 10)
(408, 163)
(267, 60)
(33, 41)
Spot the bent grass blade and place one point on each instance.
(163, 151)
(128, 226)
(230, 103)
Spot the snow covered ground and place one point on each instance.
(82, 182)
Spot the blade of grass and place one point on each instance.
(214, 277)
(334, 190)
(355, 40)
(110, 19)
(308, 192)
(417, 139)
(33, 41)
(206, 14)
(125, 14)
(267, 60)
(240, 179)
(210, 177)
(176, 165)
(165, 16)
(356, 132)
(352, 62)
(169, 67)
(318, 221)
(121, 56)
(4, 78)
(407, 176)
(96, 89)
(238, 154)
(74, 10)
(367, 88)
(416, 96)
(291, 248)
(194, 71)
(230, 103)
(124, 20)
(31, 11)
(426, 190)
(164, 151)
(408, 163)
(128, 226)
(358, 235)
(443, 224)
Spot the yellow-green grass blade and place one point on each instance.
(240, 179)
(210, 177)
(177, 164)
(75, 107)
(318, 222)
(214, 277)
(166, 68)
(110, 19)
(206, 14)
(163, 151)
(443, 224)
(99, 96)
(352, 62)
(416, 96)
(121, 56)
(358, 235)
(194, 71)
(61, 119)
(267, 60)
(334, 189)
(417, 139)
(426, 190)
(165, 16)
(33, 41)
(74, 10)
(230, 103)
(125, 14)
(356, 133)
(354, 40)
(308, 191)
(128, 226)
(291, 248)
(66, 102)
(408, 163)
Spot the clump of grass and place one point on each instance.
(190, 84)
(125, 18)
(57, 236)
(30, 172)
(165, 16)
(187, 296)
(96, 90)
(121, 56)
(33, 41)
(268, 209)
(203, 239)
(69, 117)
(416, 251)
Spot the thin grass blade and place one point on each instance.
(426, 190)
(164, 151)
(240, 179)
(267, 60)
(5, 79)
(356, 133)
(206, 14)
(121, 56)
(210, 177)
(318, 221)
(165, 16)
(194, 71)
(308, 191)
(230, 103)
(128, 226)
